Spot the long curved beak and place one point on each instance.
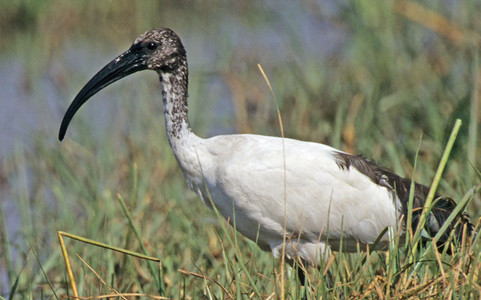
(125, 64)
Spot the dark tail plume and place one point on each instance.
(400, 188)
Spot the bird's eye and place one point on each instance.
(151, 46)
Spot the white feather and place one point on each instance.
(245, 174)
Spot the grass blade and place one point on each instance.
(43, 271)
(283, 259)
(157, 277)
(437, 177)
(13, 289)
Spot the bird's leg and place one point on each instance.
(331, 284)
(301, 274)
(329, 279)
(301, 267)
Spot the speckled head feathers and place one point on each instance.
(162, 49)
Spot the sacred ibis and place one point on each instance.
(326, 194)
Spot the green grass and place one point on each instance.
(406, 79)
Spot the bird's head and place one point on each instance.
(158, 49)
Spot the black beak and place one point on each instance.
(129, 62)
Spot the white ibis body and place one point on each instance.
(317, 194)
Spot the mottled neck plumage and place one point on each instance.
(174, 94)
(182, 140)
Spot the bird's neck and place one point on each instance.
(184, 143)
(174, 94)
